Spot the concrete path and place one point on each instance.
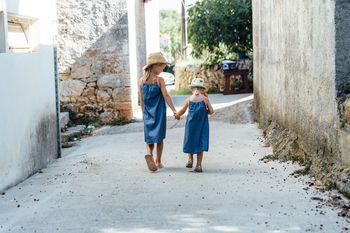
(102, 185)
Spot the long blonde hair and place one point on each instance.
(147, 73)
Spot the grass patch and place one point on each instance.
(83, 133)
(329, 184)
(303, 171)
(213, 91)
(184, 91)
(90, 120)
(269, 157)
(119, 121)
(269, 122)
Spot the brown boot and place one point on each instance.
(150, 163)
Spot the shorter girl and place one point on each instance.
(197, 125)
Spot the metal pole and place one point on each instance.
(59, 152)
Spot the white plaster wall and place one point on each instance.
(28, 110)
(152, 26)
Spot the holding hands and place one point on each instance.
(176, 115)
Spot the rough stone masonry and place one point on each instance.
(302, 82)
(94, 58)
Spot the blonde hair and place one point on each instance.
(147, 73)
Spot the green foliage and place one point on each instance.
(187, 62)
(170, 24)
(217, 55)
(237, 85)
(213, 91)
(184, 91)
(329, 184)
(218, 29)
(303, 171)
(269, 157)
(89, 120)
(83, 133)
(119, 121)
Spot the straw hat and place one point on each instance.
(197, 82)
(155, 58)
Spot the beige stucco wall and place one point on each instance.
(295, 69)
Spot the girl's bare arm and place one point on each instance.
(141, 98)
(166, 95)
(210, 108)
(184, 108)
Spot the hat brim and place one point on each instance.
(191, 86)
(146, 66)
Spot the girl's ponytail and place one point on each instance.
(147, 73)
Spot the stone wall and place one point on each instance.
(300, 70)
(213, 76)
(93, 57)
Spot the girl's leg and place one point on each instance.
(190, 157)
(150, 148)
(199, 162)
(189, 164)
(149, 157)
(199, 159)
(159, 151)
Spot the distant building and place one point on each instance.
(28, 122)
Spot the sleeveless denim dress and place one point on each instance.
(197, 128)
(154, 110)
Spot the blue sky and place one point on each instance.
(173, 4)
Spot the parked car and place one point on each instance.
(169, 78)
(170, 69)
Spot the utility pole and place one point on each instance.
(183, 29)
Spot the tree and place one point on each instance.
(170, 24)
(219, 28)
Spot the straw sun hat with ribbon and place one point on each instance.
(197, 82)
(155, 58)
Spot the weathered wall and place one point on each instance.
(213, 76)
(94, 57)
(342, 78)
(298, 56)
(28, 139)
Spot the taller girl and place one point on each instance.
(153, 95)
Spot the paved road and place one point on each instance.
(102, 185)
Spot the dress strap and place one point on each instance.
(206, 105)
(141, 81)
(158, 82)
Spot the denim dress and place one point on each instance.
(197, 128)
(154, 110)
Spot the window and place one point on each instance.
(22, 34)
(18, 41)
